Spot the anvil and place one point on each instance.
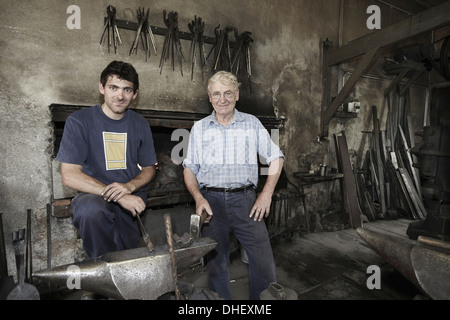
(134, 274)
(427, 267)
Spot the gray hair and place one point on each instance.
(224, 77)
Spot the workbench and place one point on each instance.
(309, 179)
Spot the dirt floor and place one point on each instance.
(327, 265)
(324, 266)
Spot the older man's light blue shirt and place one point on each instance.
(227, 157)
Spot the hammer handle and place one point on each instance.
(203, 217)
(145, 235)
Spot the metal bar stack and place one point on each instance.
(197, 28)
(111, 29)
(228, 58)
(172, 45)
(391, 172)
(144, 33)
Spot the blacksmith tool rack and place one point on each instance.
(145, 32)
(224, 57)
(160, 31)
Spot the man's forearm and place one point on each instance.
(142, 179)
(74, 178)
(275, 169)
(201, 204)
(192, 184)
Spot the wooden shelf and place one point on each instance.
(315, 178)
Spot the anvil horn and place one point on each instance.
(425, 266)
(393, 249)
(128, 274)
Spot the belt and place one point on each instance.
(228, 190)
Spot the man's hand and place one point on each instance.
(203, 205)
(134, 204)
(115, 191)
(261, 208)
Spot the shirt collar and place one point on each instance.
(237, 117)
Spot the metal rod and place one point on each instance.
(49, 236)
(168, 227)
(145, 235)
(3, 262)
(49, 244)
(28, 257)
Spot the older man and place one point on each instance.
(221, 173)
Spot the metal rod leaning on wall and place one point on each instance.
(379, 165)
(28, 251)
(49, 244)
(410, 164)
(3, 261)
(341, 181)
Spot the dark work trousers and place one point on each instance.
(103, 226)
(231, 213)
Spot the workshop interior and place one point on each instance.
(355, 93)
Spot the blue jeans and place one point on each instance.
(103, 226)
(231, 213)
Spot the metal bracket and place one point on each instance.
(127, 25)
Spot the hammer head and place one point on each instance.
(196, 224)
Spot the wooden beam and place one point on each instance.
(427, 20)
(367, 61)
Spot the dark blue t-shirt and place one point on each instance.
(108, 150)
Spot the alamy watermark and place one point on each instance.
(374, 280)
(374, 20)
(240, 147)
(74, 20)
(74, 278)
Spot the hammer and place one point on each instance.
(196, 224)
(194, 231)
(145, 235)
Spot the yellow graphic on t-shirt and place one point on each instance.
(115, 145)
